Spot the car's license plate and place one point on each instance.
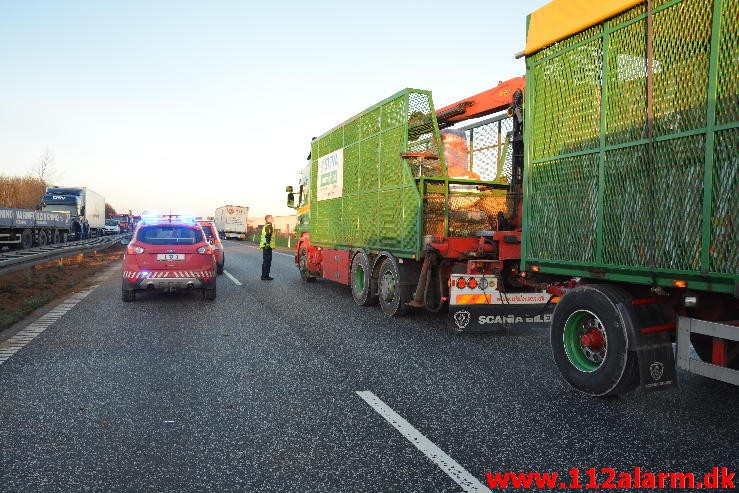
(170, 256)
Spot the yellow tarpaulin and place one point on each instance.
(560, 19)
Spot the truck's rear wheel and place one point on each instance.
(56, 237)
(362, 284)
(393, 292)
(588, 339)
(303, 265)
(43, 238)
(26, 238)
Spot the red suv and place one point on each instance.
(169, 253)
(211, 234)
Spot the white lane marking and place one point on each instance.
(458, 473)
(275, 252)
(12, 345)
(228, 274)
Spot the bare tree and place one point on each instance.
(109, 210)
(45, 169)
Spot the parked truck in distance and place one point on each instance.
(24, 228)
(125, 222)
(231, 221)
(86, 208)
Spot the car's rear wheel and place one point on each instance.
(209, 294)
(219, 267)
(128, 294)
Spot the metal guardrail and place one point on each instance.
(13, 260)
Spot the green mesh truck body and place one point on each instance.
(410, 215)
(631, 180)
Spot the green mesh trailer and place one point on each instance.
(631, 180)
(394, 207)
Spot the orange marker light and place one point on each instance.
(680, 284)
(535, 268)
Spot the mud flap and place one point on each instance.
(657, 367)
(484, 318)
(657, 370)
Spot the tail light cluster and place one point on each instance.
(133, 250)
(472, 283)
(206, 249)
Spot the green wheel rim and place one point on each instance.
(585, 341)
(359, 279)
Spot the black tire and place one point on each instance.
(703, 345)
(209, 294)
(56, 237)
(128, 295)
(589, 341)
(26, 239)
(393, 290)
(43, 238)
(364, 289)
(303, 265)
(220, 267)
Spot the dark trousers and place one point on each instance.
(266, 261)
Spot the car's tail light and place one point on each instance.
(133, 250)
(205, 249)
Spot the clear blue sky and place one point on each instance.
(192, 105)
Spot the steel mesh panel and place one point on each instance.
(390, 206)
(681, 51)
(650, 210)
(433, 214)
(369, 161)
(392, 166)
(567, 102)
(626, 85)
(562, 226)
(352, 131)
(351, 169)
(379, 204)
(369, 123)
(491, 150)
(422, 136)
(725, 205)
(408, 219)
(394, 113)
(665, 197)
(727, 97)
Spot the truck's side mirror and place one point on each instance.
(290, 197)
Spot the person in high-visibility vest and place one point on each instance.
(267, 243)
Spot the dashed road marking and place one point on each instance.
(451, 467)
(275, 252)
(228, 274)
(12, 345)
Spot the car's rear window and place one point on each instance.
(208, 230)
(169, 235)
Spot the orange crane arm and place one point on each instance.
(483, 104)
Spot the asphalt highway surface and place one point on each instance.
(285, 386)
